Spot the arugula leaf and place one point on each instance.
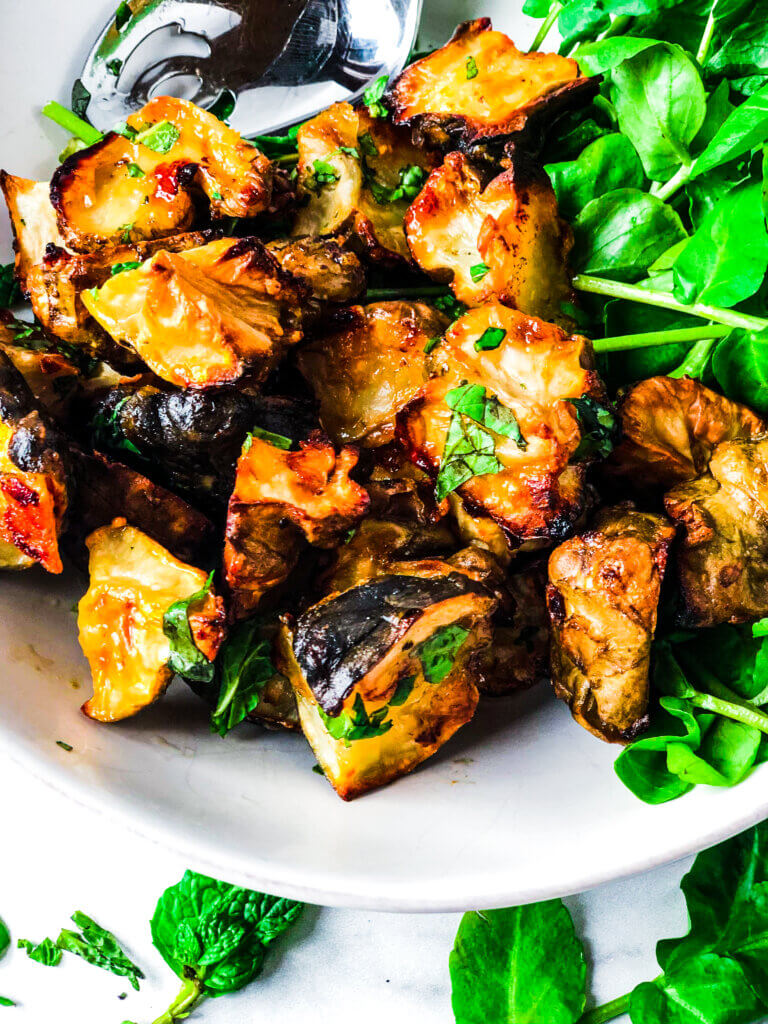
(610, 162)
(356, 724)
(372, 97)
(438, 652)
(214, 935)
(472, 401)
(160, 137)
(522, 964)
(98, 947)
(10, 293)
(490, 339)
(46, 952)
(599, 428)
(471, 67)
(185, 657)
(243, 668)
(118, 268)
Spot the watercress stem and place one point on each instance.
(735, 709)
(678, 179)
(696, 360)
(189, 995)
(706, 39)
(286, 158)
(418, 292)
(654, 338)
(633, 293)
(606, 1012)
(546, 25)
(72, 123)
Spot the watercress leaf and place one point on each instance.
(740, 367)
(642, 766)
(726, 259)
(744, 50)
(438, 652)
(708, 990)
(727, 755)
(186, 658)
(10, 293)
(620, 234)
(99, 947)
(606, 164)
(46, 952)
(522, 964)
(661, 104)
(581, 19)
(732, 654)
(744, 128)
(243, 668)
(706, 190)
(536, 8)
(595, 58)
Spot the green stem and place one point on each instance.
(734, 708)
(420, 292)
(72, 123)
(608, 1011)
(633, 293)
(189, 995)
(654, 338)
(696, 360)
(546, 25)
(677, 180)
(706, 39)
(618, 25)
(286, 158)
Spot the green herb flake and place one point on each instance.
(5, 938)
(114, 67)
(438, 653)
(124, 129)
(10, 292)
(450, 306)
(372, 97)
(471, 400)
(318, 770)
(433, 343)
(108, 432)
(323, 174)
(185, 658)
(276, 440)
(347, 150)
(490, 339)
(223, 105)
(120, 268)
(134, 171)
(125, 236)
(216, 195)
(367, 145)
(402, 692)
(243, 668)
(160, 137)
(356, 724)
(46, 952)
(471, 66)
(478, 271)
(64, 746)
(469, 451)
(5, 1001)
(99, 947)
(410, 182)
(598, 428)
(123, 15)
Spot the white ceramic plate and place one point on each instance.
(522, 804)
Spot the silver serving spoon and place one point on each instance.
(280, 61)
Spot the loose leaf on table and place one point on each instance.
(726, 259)
(620, 234)
(606, 164)
(709, 990)
(522, 964)
(46, 952)
(5, 938)
(740, 367)
(661, 105)
(185, 657)
(243, 668)
(98, 947)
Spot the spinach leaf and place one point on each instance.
(661, 104)
(620, 234)
(522, 964)
(186, 658)
(606, 164)
(46, 952)
(471, 400)
(599, 428)
(438, 652)
(356, 724)
(98, 947)
(726, 259)
(740, 367)
(215, 935)
(243, 668)
(10, 293)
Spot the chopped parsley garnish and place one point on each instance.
(123, 15)
(478, 271)
(159, 137)
(367, 145)
(323, 174)
(186, 658)
(598, 428)
(124, 129)
(349, 150)
(108, 434)
(114, 66)
(433, 343)
(372, 97)
(402, 692)
(10, 292)
(490, 339)
(216, 195)
(125, 236)
(450, 306)
(134, 171)
(356, 724)
(276, 440)
(437, 653)
(46, 952)
(99, 947)
(64, 746)
(471, 67)
(118, 268)
(410, 182)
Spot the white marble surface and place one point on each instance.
(338, 967)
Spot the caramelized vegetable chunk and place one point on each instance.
(49, 374)
(364, 373)
(670, 427)
(33, 479)
(134, 581)
(722, 557)
(500, 424)
(332, 273)
(33, 221)
(479, 86)
(501, 240)
(205, 316)
(381, 672)
(357, 175)
(602, 596)
(280, 498)
(136, 186)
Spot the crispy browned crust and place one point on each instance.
(281, 499)
(670, 427)
(510, 224)
(445, 108)
(722, 556)
(602, 598)
(331, 272)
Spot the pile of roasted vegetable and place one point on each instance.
(316, 413)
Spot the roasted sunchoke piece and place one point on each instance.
(479, 87)
(138, 185)
(134, 582)
(366, 371)
(205, 316)
(332, 273)
(33, 478)
(382, 672)
(670, 427)
(281, 499)
(33, 221)
(357, 175)
(602, 596)
(49, 374)
(721, 558)
(105, 490)
(502, 239)
(505, 422)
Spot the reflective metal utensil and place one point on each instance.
(278, 61)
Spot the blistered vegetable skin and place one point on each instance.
(721, 558)
(513, 94)
(602, 597)
(33, 478)
(366, 370)
(133, 583)
(502, 239)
